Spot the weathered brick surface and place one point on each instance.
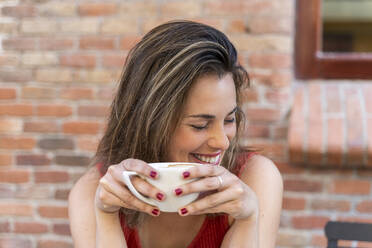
(60, 62)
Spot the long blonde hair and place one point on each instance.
(157, 76)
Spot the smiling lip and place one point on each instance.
(208, 158)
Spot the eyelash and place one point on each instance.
(232, 120)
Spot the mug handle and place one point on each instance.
(128, 182)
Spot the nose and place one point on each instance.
(219, 139)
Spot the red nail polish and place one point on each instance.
(186, 174)
(178, 191)
(153, 174)
(184, 211)
(160, 196)
(155, 211)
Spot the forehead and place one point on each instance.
(211, 93)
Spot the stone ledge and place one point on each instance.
(331, 125)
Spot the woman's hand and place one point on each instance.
(231, 195)
(112, 193)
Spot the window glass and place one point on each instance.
(347, 25)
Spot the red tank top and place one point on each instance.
(211, 233)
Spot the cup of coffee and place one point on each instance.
(170, 178)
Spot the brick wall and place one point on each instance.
(59, 62)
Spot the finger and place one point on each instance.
(139, 183)
(213, 201)
(127, 200)
(204, 170)
(139, 166)
(220, 182)
(148, 189)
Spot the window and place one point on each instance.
(334, 39)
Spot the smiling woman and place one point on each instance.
(178, 101)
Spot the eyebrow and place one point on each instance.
(209, 117)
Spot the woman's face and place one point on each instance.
(207, 123)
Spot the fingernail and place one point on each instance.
(155, 211)
(186, 174)
(160, 196)
(178, 191)
(184, 211)
(153, 174)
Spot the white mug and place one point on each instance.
(170, 177)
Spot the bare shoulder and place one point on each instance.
(260, 170)
(81, 209)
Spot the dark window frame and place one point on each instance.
(311, 62)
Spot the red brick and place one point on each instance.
(76, 127)
(53, 212)
(33, 191)
(15, 209)
(303, 185)
(319, 240)
(53, 244)
(38, 93)
(257, 131)
(350, 187)
(51, 176)
(14, 176)
(249, 95)
(16, 109)
(78, 60)
(263, 114)
(105, 94)
(297, 130)
(54, 110)
(291, 203)
(278, 97)
(333, 98)
(129, 41)
(113, 61)
(286, 168)
(234, 8)
(19, 11)
(97, 43)
(15, 242)
(23, 143)
(97, 9)
(17, 76)
(41, 126)
(291, 239)
(87, 144)
(30, 227)
(19, 44)
(62, 229)
(76, 93)
(335, 141)
(270, 25)
(6, 94)
(277, 79)
(364, 207)
(93, 110)
(309, 222)
(56, 144)
(332, 205)
(237, 26)
(73, 160)
(364, 244)
(56, 44)
(4, 226)
(33, 159)
(355, 133)
(5, 159)
(315, 125)
(62, 194)
(274, 150)
(270, 61)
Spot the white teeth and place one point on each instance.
(207, 159)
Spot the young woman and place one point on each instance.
(178, 101)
